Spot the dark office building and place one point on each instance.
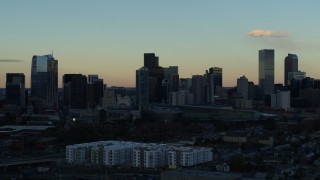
(307, 83)
(170, 81)
(198, 89)
(217, 76)
(209, 87)
(250, 90)
(185, 84)
(95, 91)
(290, 65)
(295, 88)
(15, 89)
(44, 79)
(258, 93)
(75, 91)
(266, 70)
(156, 90)
(151, 60)
(142, 87)
(316, 84)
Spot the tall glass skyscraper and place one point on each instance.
(266, 70)
(217, 76)
(44, 79)
(290, 65)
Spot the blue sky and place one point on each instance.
(109, 37)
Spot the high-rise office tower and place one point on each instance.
(198, 89)
(171, 80)
(44, 79)
(156, 76)
(151, 60)
(290, 65)
(266, 70)
(92, 78)
(185, 84)
(171, 74)
(242, 87)
(209, 87)
(142, 87)
(75, 91)
(217, 76)
(95, 91)
(250, 90)
(297, 75)
(15, 89)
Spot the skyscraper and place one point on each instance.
(198, 89)
(297, 75)
(75, 91)
(217, 76)
(44, 79)
(92, 78)
(142, 87)
(95, 91)
(151, 60)
(242, 87)
(15, 89)
(185, 84)
(266, 70)
(170, 81)
(290, 65)
(156, 76)
(209, 87)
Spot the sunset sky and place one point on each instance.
(109, 37)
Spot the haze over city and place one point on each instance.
(109, 38)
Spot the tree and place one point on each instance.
(238, 163)
(9, 118)
(102, 116)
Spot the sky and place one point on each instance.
(109, 37)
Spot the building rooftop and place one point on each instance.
(203, 174)
(35, 128)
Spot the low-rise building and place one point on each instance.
(132, 154)
(189, 174)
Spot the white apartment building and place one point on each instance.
(79, 153)
(118, 154)
(192, 156)
(172, 158)
(132, 154)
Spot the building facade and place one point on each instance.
(170, 81)
(142, 87)
(209, 86)
(75, 91)
(151, 60)
(198, 89)
(15, 89)
(140, 155)
(217, 75)
(283, 99)
(242, 87)
(290, 65)
(95, 91)
(44, 79)
(266, 70)
(297, 75)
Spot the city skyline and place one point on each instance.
(110, 38)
